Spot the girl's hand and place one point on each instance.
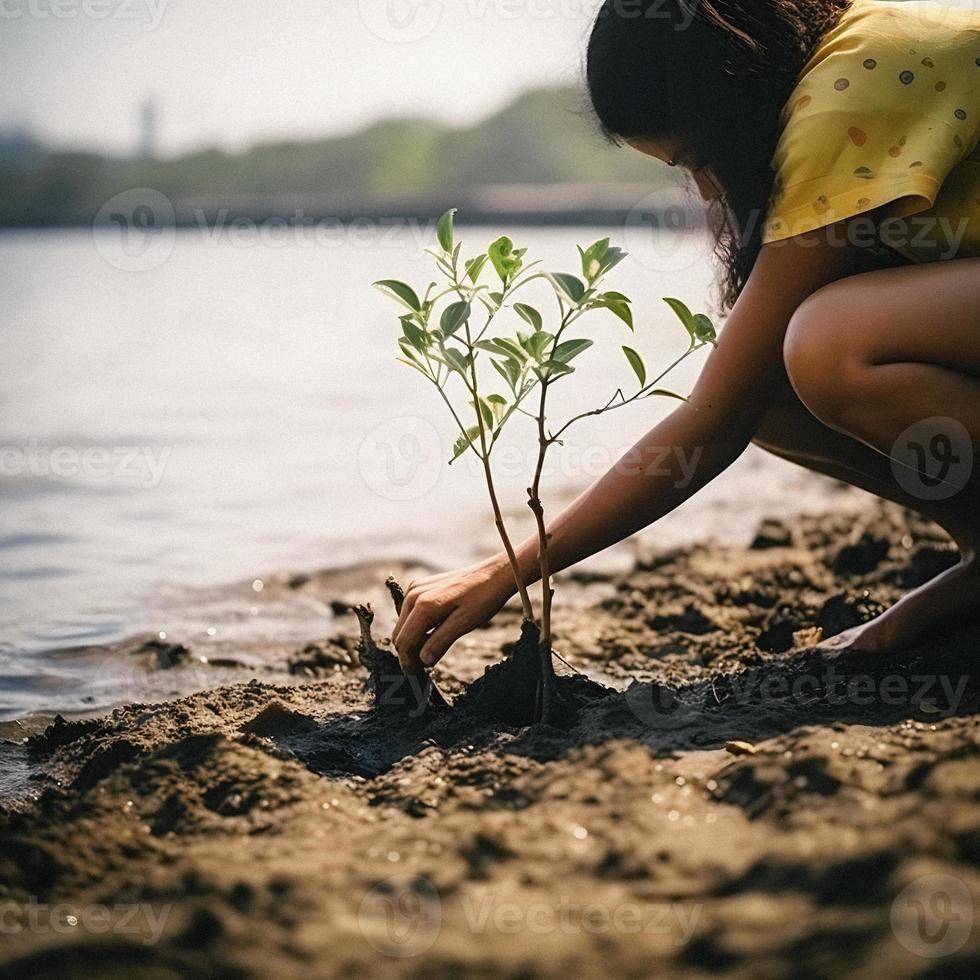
(439, 609)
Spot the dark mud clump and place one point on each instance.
(508, 692)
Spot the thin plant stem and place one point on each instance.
(498, 518)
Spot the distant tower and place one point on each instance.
(149, 121)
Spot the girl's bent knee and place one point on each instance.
(820, 361)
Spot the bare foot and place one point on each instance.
(948, 600)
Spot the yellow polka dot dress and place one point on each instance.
(885, 122)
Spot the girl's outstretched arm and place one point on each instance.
(674, 460)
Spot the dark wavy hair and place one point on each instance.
(713, 75)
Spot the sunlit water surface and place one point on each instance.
(237, 409)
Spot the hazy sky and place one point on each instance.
(237, 71)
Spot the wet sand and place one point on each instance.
(730, 803)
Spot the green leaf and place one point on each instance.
(408, 350)
(457, 360)
(636, 363)
(486, 413)
(599, 258)
(665, 393)
(415, 336)
(680, 308)
(505, 258)
(400, 291)
(571, 286)
(464, 442)
(592, 259)
(444, 230)
(509, 370)
(511, 349)
(684, 315)
(411, 358)
(553, 369)
(611, 259)
(453, 317)
(503, 348)
(413, 364)
(529, 314)
(537, 344)
(568, 349)
(704, 329)
(490, 347)
(498, 405)
(619, 304)
(475, 266)
(623, 311)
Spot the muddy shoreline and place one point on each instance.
(728, 802)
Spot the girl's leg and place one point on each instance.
(870, 356)
(791, 432)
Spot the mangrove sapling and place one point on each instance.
(575, 297)
(448, 349)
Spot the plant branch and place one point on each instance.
(648, 387)
(498, 517)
